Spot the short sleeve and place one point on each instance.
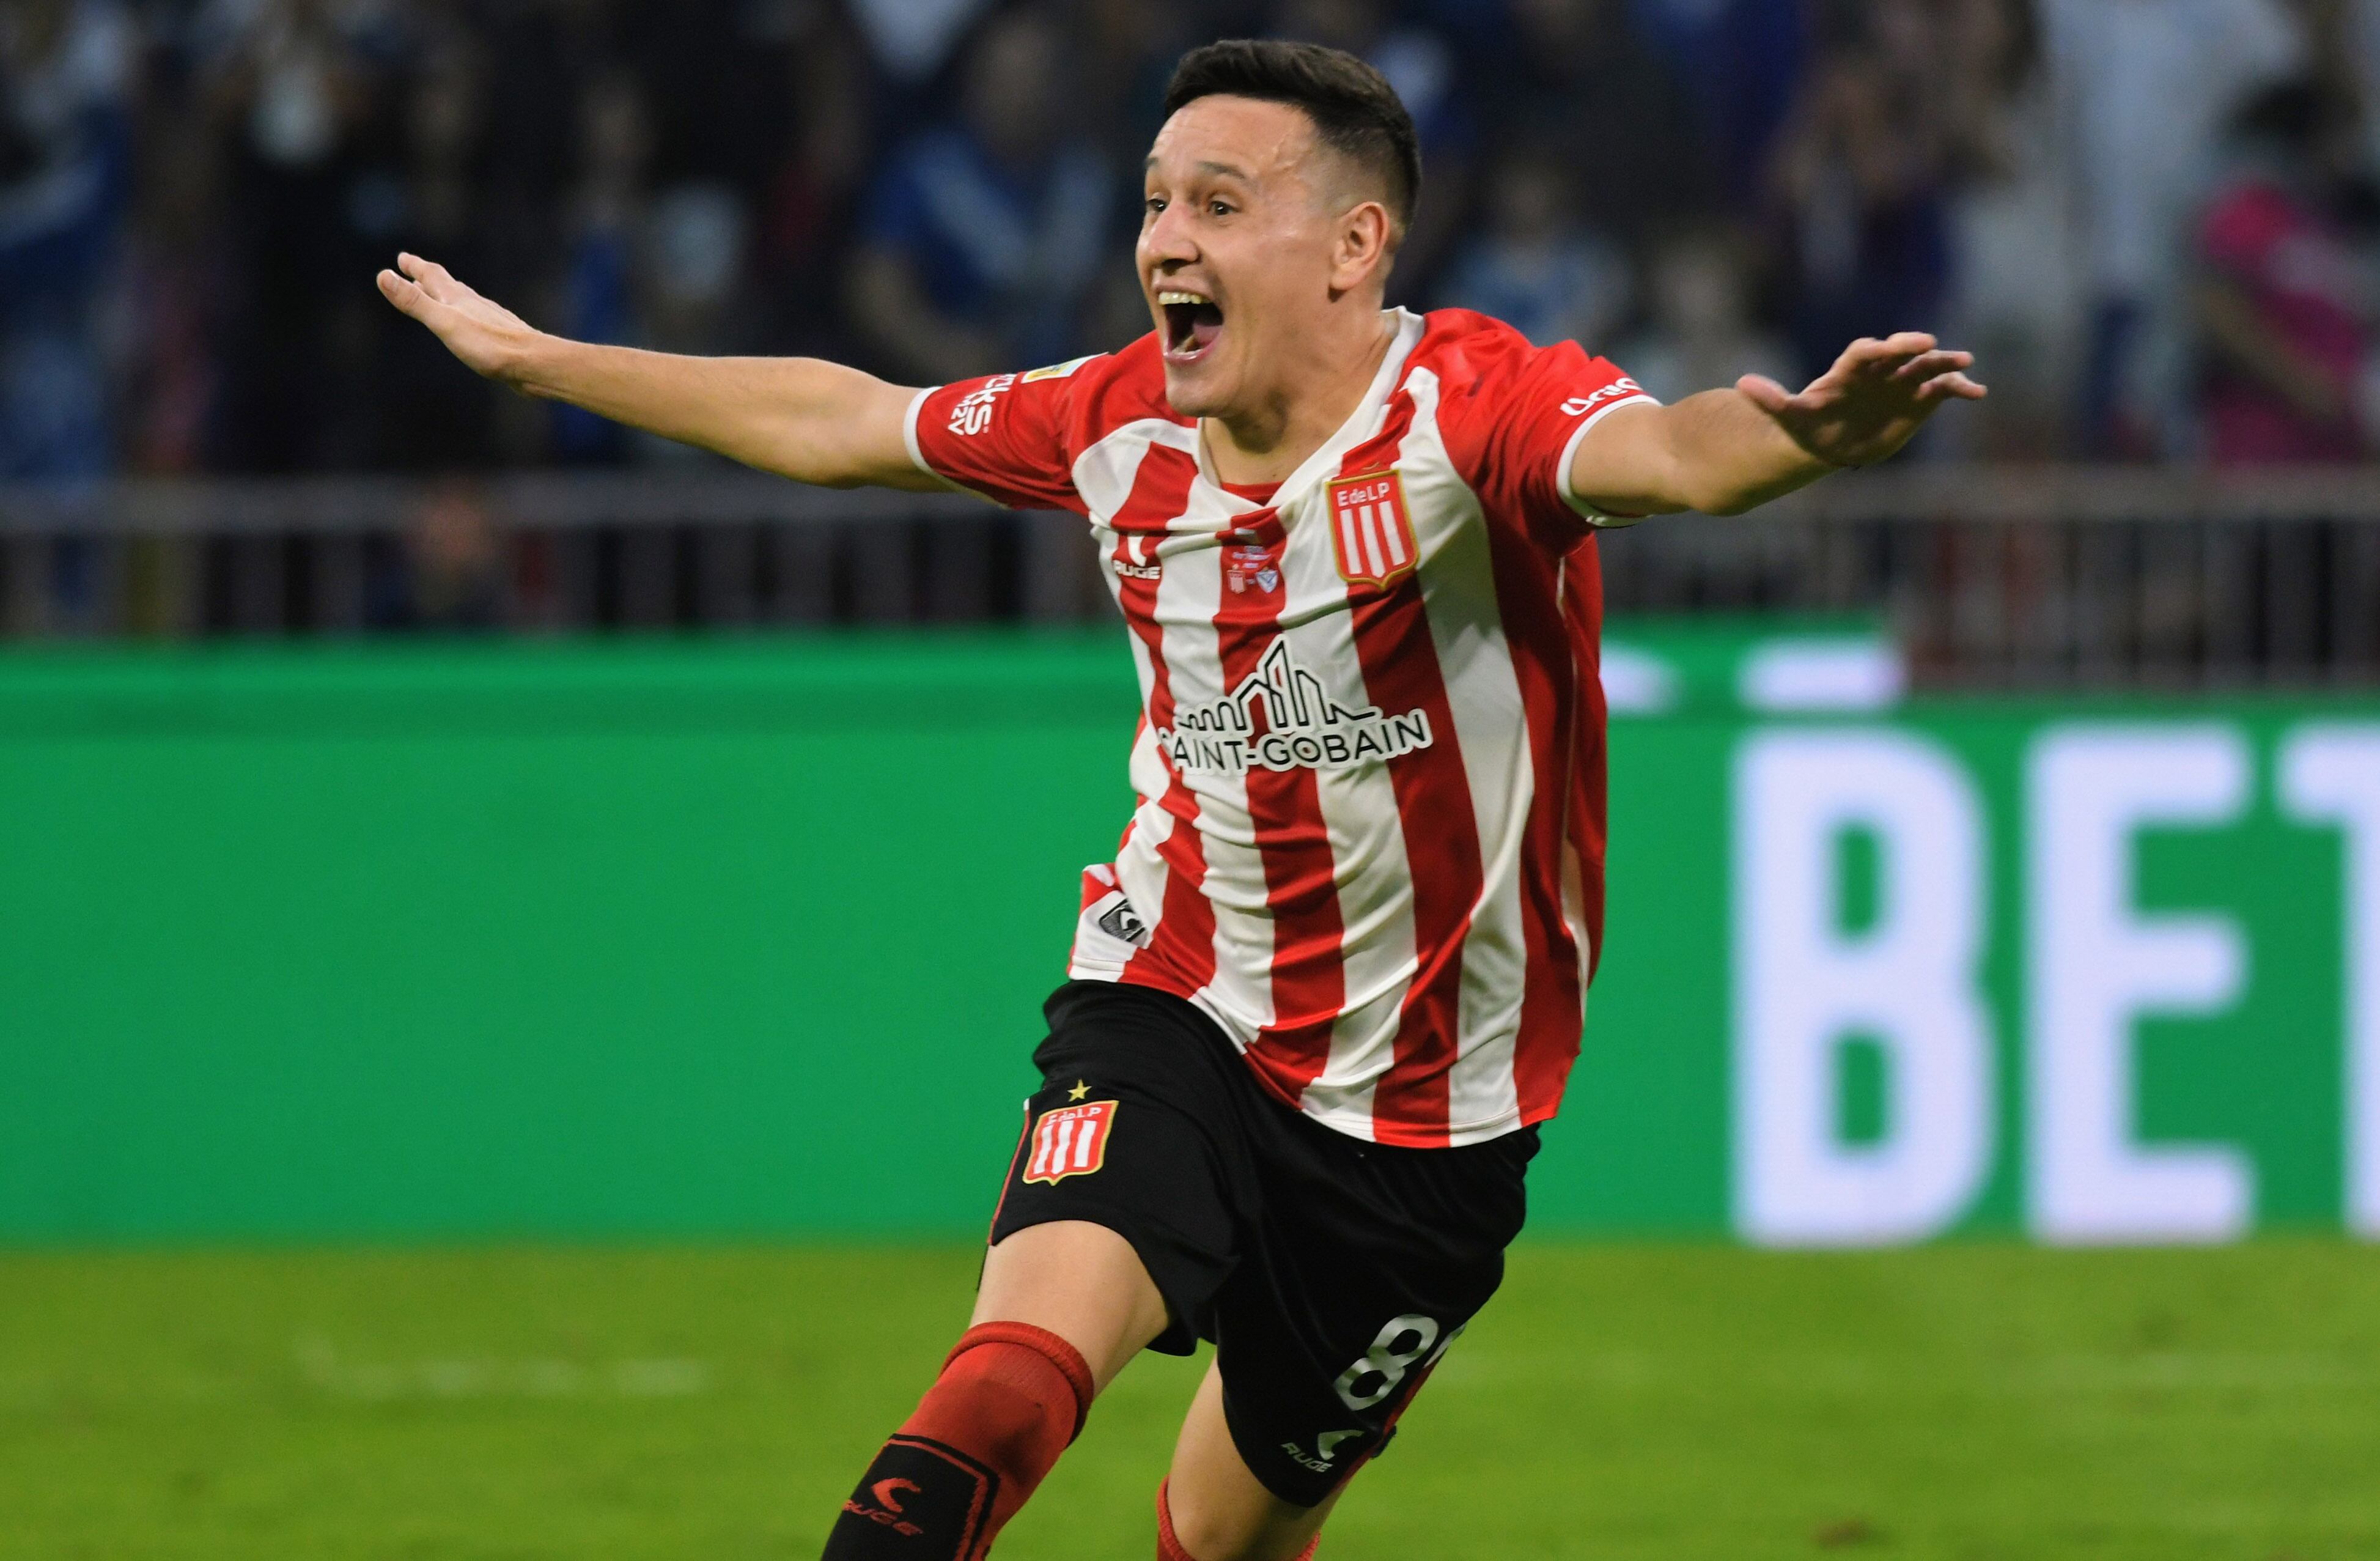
(1004, 437)
(1535, 416)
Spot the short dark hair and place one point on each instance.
(1355, 112)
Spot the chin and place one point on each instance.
(1196, 390)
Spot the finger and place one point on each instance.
(1871, 358)
(1954, 387)
(431, 277)
(1931, 365)
(402, 292)
(1766, 394)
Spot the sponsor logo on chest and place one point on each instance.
(1281, 717)
(1372, 530)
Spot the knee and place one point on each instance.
(1191, 1530)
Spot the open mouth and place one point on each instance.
(1192, 321)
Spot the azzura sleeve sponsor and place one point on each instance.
(1003, 437)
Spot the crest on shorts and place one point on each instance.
(1072, 1141)
(1372, 530)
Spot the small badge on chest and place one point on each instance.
(1371, 529)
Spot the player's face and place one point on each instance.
(1236, 253)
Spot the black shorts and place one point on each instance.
(1330, 1273)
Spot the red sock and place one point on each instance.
(1010, 1399)
(1169, 1543)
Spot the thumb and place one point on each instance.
(1766, 394)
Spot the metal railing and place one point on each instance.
(1992, 577)
(2054, 577)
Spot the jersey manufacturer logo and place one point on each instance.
(1579, 406)
(1137, 561)
(972, 414)
(1372, 530)
(1071, 1141)
(1282, 718)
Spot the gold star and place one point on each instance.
(1078, 1091)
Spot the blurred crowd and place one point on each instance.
(2156, 220)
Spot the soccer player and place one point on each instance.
(1334, 978)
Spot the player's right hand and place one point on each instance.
(490, 339)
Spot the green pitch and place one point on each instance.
(1968, 1404)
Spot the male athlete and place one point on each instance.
(1333, 979)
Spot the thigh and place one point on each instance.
(1368, 1265)
(1083, 1283)
(1134, 1136)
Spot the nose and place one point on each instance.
(1166, 242)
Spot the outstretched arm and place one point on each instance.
(1726, 451)
(810, 420)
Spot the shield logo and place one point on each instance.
(1071, 1142)
(1372, 530)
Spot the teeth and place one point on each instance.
(1184, 297)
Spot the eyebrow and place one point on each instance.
(1226, 169)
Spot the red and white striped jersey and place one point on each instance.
(1369, 839)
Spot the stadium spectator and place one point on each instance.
(2150, 84)
(1862, 176)
(1534, 265)
(598, 300)
(64, 163)
(1739, 63)
(982, 237)
(1641, 158)
(2285, 310)
(2017, 288)
(299, 86)
(1701, 330)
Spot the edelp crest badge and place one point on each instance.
(1371, 529)
(1071, 1141)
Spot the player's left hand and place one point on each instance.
(1872, 402)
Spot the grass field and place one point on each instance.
(1967, 1402)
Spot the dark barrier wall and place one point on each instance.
(748, 938)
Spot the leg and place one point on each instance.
(1212, 1508)
(1080, 1281)
(1064, 1307)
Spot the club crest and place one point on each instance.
(1071, 1142)
(1371, 529)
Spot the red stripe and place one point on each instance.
(1442, 832)
(1583, 609)
(1547, 662)
(1179, 958)
(1309, 983)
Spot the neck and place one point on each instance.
(1303, 411)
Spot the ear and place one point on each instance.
(1362, 247)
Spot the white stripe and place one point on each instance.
(1396, 533)
(1348, 548)
(1372, 542)
(910, 432)
(1086, 1141)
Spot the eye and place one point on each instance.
(1155, 204)
(1219, 208)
